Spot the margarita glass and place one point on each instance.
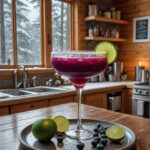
(79, 67)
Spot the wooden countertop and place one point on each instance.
(89, 88)
(10, 126)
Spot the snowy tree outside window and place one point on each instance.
(60, 25)
(28, 32)
(6, 41)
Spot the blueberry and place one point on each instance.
(104, 141)
(96, 130)
(94, 143)
(103, 136)
(105, 128)
(101, 128)
(100, 146)
(95, 134)
(60, 139)
(102, 131)
(60, 134)
(98, 124)
(98, 139)
(80, 146)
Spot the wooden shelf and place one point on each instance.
(93, 38)
(107, 20)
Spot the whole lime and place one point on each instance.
(44, 129)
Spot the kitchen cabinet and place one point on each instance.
(96, 99)
(4, 111)
(127, 101)
(62, 100)
(28, 106)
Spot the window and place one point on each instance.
(6, 52)
(22, 23)
(26, 35)
(60, 25)
(28, 32)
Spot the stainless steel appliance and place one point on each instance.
(114, 101)
(141, 100)
(117, 69)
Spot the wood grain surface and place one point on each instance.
(10, 126)
(129, 52)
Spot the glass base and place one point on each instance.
(80, 134)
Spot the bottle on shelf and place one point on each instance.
(115, 33)
(118, 15)
(92, 9)
(113, 13)
(91, 31)
(96, 30)
(107, 14)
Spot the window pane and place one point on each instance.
(60, 25)
(28, 32)
(6, 53)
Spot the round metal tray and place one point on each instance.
(28, 141)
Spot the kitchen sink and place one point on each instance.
(42, 89)
(17, 92)
(29, 91)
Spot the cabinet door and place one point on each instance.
(97, 100)
(63, 100)
(4, 111)
(28, 106)
(127, 101)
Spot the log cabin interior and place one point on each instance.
(34, 32)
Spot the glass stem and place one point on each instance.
(79, 98)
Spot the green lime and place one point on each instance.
(115, 133)
(44, 129)
(62, 123)
(110, 50)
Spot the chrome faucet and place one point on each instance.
(25, 77)
(34, 81)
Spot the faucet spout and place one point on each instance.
(25, 76)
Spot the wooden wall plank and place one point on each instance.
(131, 53)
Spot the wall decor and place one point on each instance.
(141, 29)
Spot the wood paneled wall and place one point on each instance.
(131, 53)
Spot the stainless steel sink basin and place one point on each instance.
(42, 89)
(17, 92)
(29, 91)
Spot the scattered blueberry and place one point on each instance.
(96, 134)
(96, 130)
(94, 143)
(98, 124)
(59, 134)
(60, 139)
(102, 131)
(80, 146)
(100, 146)
(101, 128)
(104, 142)
(106, 128)
(98, 139)
(103, 136)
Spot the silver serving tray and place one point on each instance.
(28, 141)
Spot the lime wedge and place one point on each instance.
(62, 123)
(115, 133)
(110, 50)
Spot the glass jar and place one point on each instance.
(113, 13)
(118, 15)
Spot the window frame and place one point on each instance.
(46, 33)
